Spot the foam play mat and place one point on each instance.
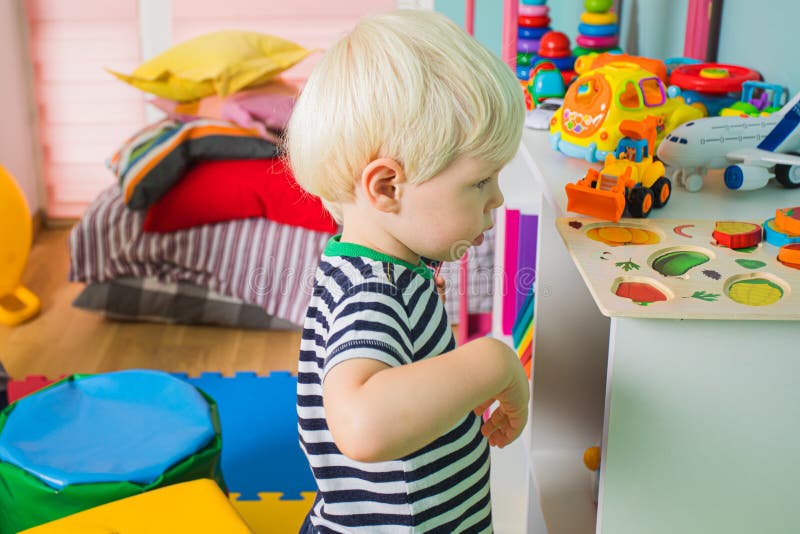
(270, 483)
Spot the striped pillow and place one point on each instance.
(154, 159)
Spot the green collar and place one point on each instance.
(336, 248)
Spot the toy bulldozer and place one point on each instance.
(630, 178)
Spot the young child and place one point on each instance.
(402, 129)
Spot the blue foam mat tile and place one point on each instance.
(258, 415)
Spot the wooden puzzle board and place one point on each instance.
(666, 277)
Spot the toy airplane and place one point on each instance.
(751, 149)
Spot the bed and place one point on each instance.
(247, 273)
(251, 264)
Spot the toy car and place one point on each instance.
(587, 125)
(539, 117)
(546, 81)
(759, 99)
(630, 179)
(710, 87)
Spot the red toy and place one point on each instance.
(534, 22)
(736, 234)
(715, 78)
(554, 44)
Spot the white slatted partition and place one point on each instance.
(84, 113)
(311, 23)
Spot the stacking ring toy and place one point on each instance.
(532, 33)
(528, 45)
(596, 42)
(563, 63)
(554, 44)
(599, 19)
(597, 30)
(533, 22)
(533, 11)
(581, 51)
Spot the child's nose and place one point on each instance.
(496, 200)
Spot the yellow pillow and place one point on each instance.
(215, 63)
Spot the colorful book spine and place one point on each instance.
(510, 262)
(522, 333)
(526, 258)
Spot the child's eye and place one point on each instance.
(482, 183)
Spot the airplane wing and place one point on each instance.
(762, 158)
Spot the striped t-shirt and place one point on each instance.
(368, 305)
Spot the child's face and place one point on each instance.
(442, 217)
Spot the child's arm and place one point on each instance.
(378, 413)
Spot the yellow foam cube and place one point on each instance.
(199, 507)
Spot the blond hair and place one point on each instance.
(407, 85)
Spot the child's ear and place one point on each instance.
(381, 184)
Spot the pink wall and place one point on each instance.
(311, 23)
(16, 105)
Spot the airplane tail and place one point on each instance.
(785, 136)
(789, 105)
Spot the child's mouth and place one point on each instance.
(478, 240)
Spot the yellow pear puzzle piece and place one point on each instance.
(17, 303)
(271, 515)
(199, 507)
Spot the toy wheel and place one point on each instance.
(640, 202)
(716, 78)
(693, 182)
(662, 190)
(788, 175)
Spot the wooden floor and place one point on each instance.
(64, 340)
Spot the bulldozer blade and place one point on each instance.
(595, 203)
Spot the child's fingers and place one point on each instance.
(482, 407)
(501, 429)
(440, 283)
(496, 422)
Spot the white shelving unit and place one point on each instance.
(578, 353)
(566, 413)
(570, 347)
(512, 489)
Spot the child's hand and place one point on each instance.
(507, 421)
(439, 281)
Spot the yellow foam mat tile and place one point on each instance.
(199, 507)
(270, 515)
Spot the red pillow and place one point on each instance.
(216, 191)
